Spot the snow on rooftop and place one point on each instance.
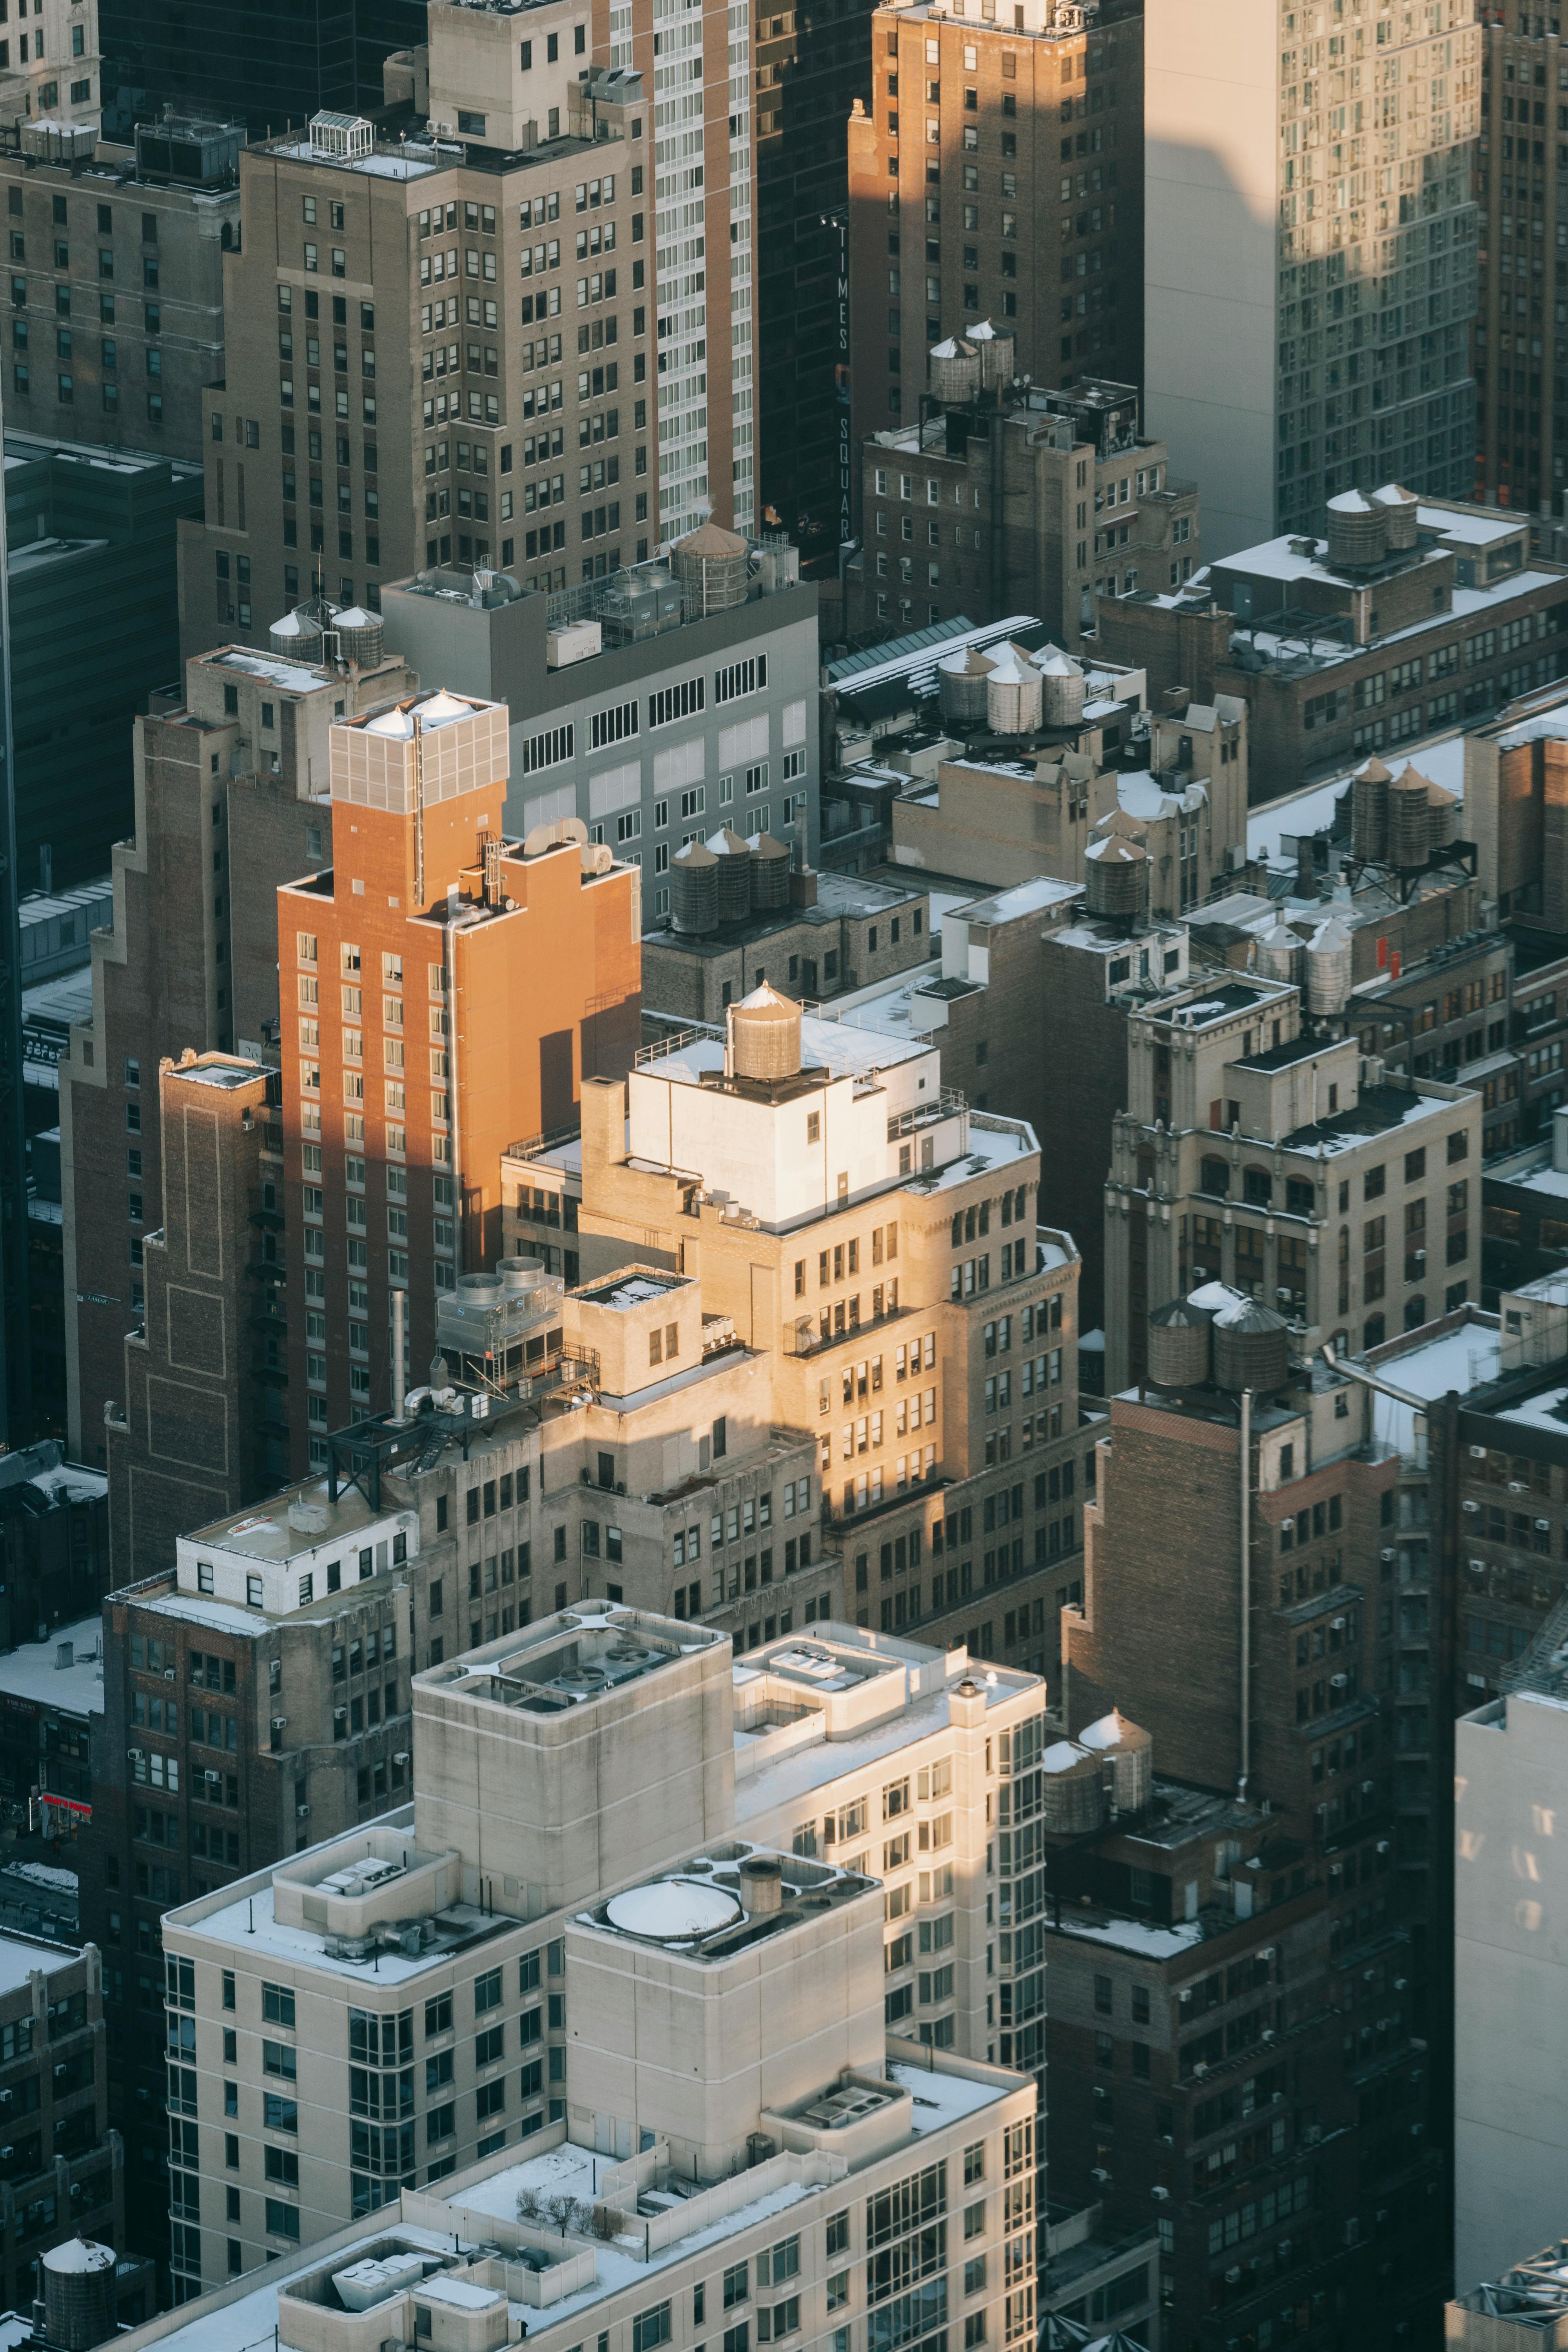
(292, 676)
(20, 1954)
(670, 1907)
(1303, 813)
(1552, 723)
(1464, 1358)
(32, 1672)
(1140, 1936)
(1549, 1411)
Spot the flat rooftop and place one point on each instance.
(562, 1662)
(1378, 1110)
(826, 1047)
(34, 1672)
(699, 1910)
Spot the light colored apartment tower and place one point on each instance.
(810, 1195)
(1310, 268)
(49, 78)
(448, 993)
(388, 2008)
(231, 800)
(1034, 501)
(997, 181)
(838, 2194)
(1258, 1151)
(1522, 431)
(1511, 1783)
(486, 343)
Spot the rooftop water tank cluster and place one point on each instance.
(723, 879)
(1008, 691)
(1366, 526)
(319, 631)
(1314, 953)
(1400, 820)
(1219, 1337)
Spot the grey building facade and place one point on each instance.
(696, 725)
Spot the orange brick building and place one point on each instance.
(444, 994)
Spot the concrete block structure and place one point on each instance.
(845, 2173)
(614, 1909)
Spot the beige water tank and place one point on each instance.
(1251, 1349)
(1369, 811)
(1328, 960)
(1442, 816)
(1014, 693)
(954, 371)
(1358, 530)
(1063, 684)
(713, 569)
(1409, 825)
(999, 353)
(1403, 510)
(1278, 954)
(1116, 878)
(765, 1035)
(962, 677)
(1179, 1345)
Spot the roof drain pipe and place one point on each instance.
(1245, 1592)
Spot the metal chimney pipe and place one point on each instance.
(399, 1308)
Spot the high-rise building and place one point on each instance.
(448, 993)
(1310, 267)
(1510, 1765)
(1029, 501)
(973, 204)
(16, 1322)
(739, 2112)
(50, 89)
(1522, 429)
(1254, 1153)
(871, 1247)
(584, 402)
(231, 799)
(1240, 1602)
(864, 1765)
(200, 1426)
(94, 617)
(246, 63)
(66, 2169)
(117, 293)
